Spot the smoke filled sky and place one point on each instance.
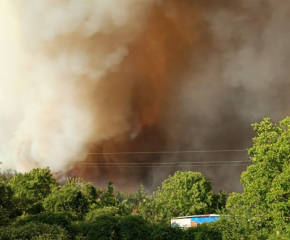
(112, 76)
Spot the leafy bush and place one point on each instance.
(34, 230)
(113, 211)
(205, 231)
(165, 232)
(6, 175)
(114, 227)
(67, 199)
(62, 219)
(105, 227)
(186, 193)
(7, 209)
(31, 188)
(133, 227)
(4, 216)
(6, 195)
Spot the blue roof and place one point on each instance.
(205, 219)
(199, 216)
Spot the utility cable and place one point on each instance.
(156, 163)
(166, 166)
(164, 152)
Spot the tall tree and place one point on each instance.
(75, 196)
(31, 188)
(185, 193)
(265, 203)
(108, 198)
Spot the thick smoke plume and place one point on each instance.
(138, 75)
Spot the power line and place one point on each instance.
(156, 163)
(162, 166)
(164, 152)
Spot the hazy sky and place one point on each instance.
(99, 76)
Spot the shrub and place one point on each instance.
(113, 211)
(165, 232)
(133, 227)
(67, 199)
(63, 220)
(34, 230)
(205, 231)
(105, 227)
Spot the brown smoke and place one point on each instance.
(99, 76)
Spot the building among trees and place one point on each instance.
(193, 221)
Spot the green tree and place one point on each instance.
(130, 202)
(6, 175)
(150, 209)
(72, 197)
(6, 196)
(108, 198)
(6, 203)
(220, 201)
(31, 188)
(185, 193)
(265, 204)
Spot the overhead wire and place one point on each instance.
(165, 152)
(158, 166)
(165, 164)
(156, 163)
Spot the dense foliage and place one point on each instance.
(264, 206)
(185, 194)
(34, 206)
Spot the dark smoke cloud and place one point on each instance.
(145, 76)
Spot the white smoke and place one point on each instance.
(53, 53)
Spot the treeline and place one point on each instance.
(34, 205)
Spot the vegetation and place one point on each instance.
(185, 193)
(34, 206)
(264, 206)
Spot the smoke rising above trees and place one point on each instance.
(100, 76)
